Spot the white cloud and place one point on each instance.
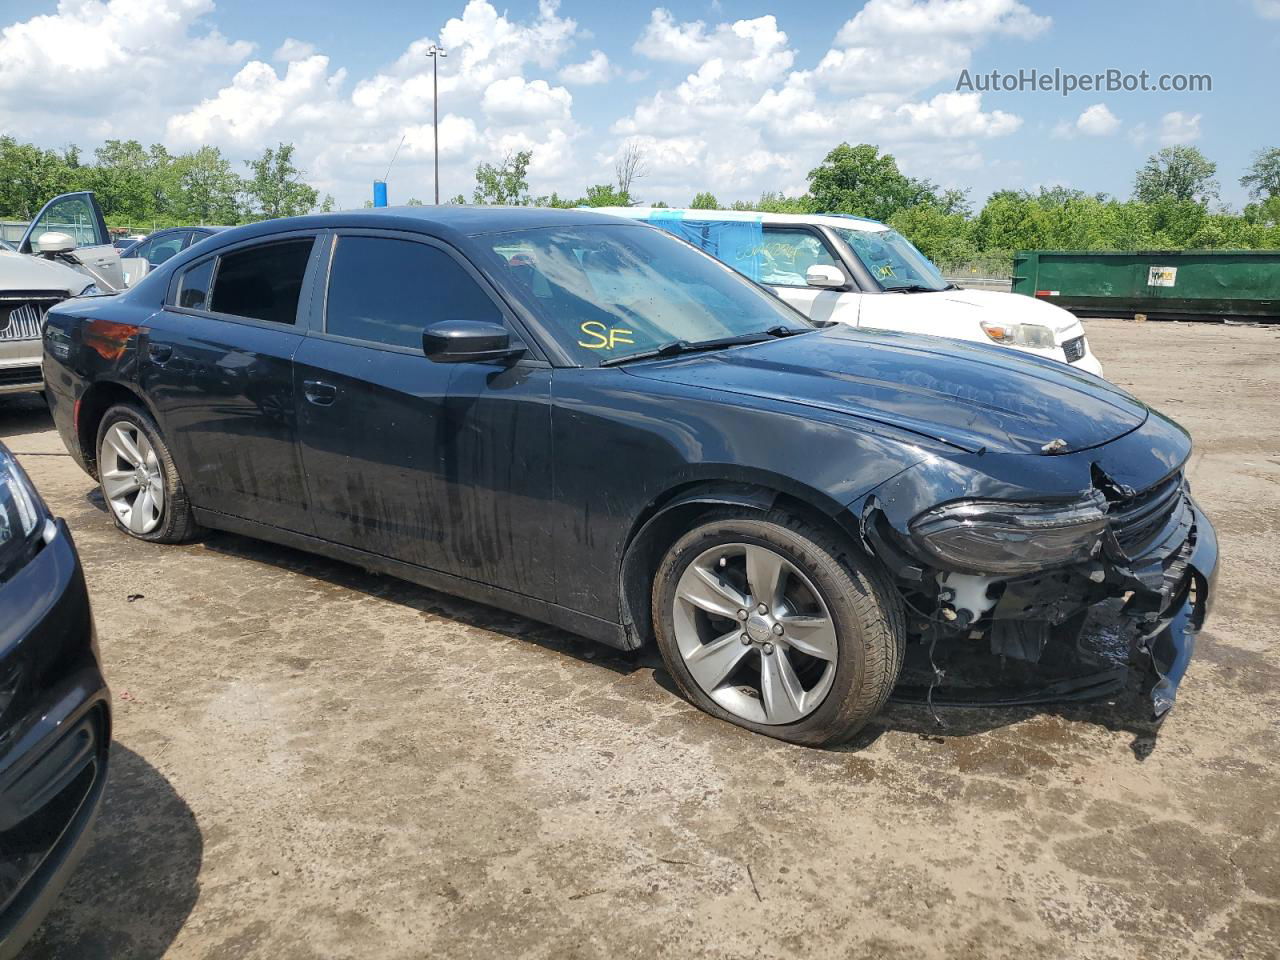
(346, 134)
(1178, 127)
(62, 70)
(743, 115)
(751, 120)
(1269, 9)
(1094, 121)
(910, 45)
(595, 69)
(292, 50)
(516, 100)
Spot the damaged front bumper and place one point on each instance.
(1155, 566)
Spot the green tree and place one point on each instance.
(605, 195)
(862, 181)
(704, 201)
(30, 177)
(123, 180)
(1262, 179)
(1177, 173)
(506, 184)
(207, 189)
(276, 187)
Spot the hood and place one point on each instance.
(1005, 308)
(19, 271)
(968, 395)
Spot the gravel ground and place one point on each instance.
(312, 761)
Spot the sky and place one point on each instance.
(732, 96)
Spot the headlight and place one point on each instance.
(92, 290)
(997, 537)
(22, 518)
(1020, 334)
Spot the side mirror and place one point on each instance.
(53, 242)
(825, 275)
(469, 341)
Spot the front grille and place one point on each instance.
(1074, 349)
(22, 320)
(16, 376)
(1138, 521)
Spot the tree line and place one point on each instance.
(139, 186)
(1174, 203)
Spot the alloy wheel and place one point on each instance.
(132, 479)
(755, 633)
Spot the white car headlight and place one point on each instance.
(1019, 334)
(92, 290)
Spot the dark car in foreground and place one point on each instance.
(55, 719)
(596, 425)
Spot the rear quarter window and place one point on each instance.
(193, 286)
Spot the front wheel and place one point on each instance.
(140, 483)
(778, 626)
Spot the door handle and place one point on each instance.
(318, 392)
(160, 352)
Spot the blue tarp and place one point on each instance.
(735, 242)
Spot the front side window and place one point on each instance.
(892, 260)
(605, 291)
(788, 253)
(388, 291)
(262, 282)
(193, 286)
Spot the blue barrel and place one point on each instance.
(379, 193)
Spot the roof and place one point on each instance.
(836, 220)
(443, 221)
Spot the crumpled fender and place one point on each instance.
(1172, 642)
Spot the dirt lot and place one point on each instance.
(311, 761)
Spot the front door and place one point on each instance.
(79, 216)
(788, 253)
(434, 464)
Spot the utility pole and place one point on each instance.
(435, 53)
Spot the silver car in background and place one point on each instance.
(65, 252)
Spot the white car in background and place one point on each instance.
(863, 273)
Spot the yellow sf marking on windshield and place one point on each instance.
(605, 338)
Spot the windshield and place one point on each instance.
(606, 291)
(892, 260)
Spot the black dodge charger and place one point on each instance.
(592, 423)
(55, 722)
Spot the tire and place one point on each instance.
(840, 673)
(169, 507)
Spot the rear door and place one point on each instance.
(789, 251)
(440, 465)
(218, 366)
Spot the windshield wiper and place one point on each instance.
(918, 288)
(675, 347)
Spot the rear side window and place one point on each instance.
(263, 282)
(388, 291)
(193, 288)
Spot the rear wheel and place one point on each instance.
(140, 483)
(778, 626)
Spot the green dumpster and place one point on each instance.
(1185, 283)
